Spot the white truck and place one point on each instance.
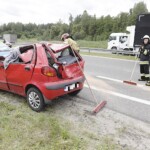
(11, 38)
(132, 40)
(122, 41)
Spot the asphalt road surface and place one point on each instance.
(106, 76)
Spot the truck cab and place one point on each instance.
(117, 41)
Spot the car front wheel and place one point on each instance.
(35, 99)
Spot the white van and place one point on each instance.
(117, 41)
(122, 41)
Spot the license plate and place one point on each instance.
(70, 87)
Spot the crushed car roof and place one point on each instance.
(58, 47)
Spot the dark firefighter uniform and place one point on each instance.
(144, 62)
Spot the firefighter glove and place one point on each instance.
(145, 52)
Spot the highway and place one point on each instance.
(106, 76)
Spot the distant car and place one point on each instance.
(4, 47)
(42, 72)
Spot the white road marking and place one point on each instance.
(111, 58)
(116, 80)
(146, 102)
(110, 79)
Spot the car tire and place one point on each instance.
(114, 50)
(35, 99)
(74, 93)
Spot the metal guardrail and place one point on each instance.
(94, 49)
(101, 50)
(124, 52)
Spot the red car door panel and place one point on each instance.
(18, 75)
(3, 82)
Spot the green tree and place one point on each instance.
(83, 26)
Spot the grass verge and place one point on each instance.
(27, 40)
(23, 129)
(92, 44)
(82, 43)
(109, 55)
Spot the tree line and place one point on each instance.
(82, 27)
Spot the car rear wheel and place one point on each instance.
(74, 93)
(35, 99)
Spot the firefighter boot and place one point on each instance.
(142, 78)
(148, 83)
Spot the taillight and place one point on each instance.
(47, 71)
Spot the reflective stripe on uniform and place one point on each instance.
(145, 52)
(142, 75)
(147, 75)
(144, 62)
(148, 83)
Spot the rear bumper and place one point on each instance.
(53, 90)
(56, 86)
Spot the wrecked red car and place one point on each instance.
(41, 72)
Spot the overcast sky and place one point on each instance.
(50, 11)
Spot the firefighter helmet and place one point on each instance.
(146, 37)
(64, 36)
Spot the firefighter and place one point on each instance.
(69, 40)
(144, 60)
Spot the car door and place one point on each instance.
(20, 73)
(3, 82)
